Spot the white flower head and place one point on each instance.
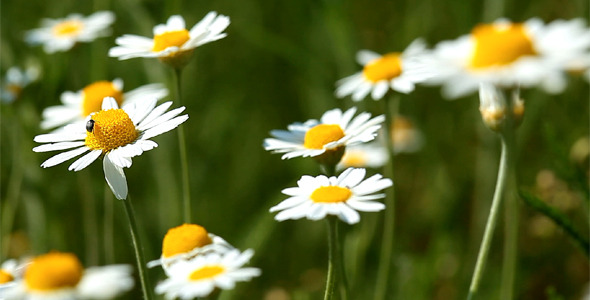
(333, 132)
(16, 80)
(172, 40)
(62, 34)
(116, 135)
(186, 241)
(508, 55)
(369, 155)
(76, 106)
(200, 276)
(57, 275)
(382, 72)
(342, 196)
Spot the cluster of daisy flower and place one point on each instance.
(59, 275)
(197, 262)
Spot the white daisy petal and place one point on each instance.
(58, 159)
(164, 127)
(85, 160)
(57, 146)
(115, 178)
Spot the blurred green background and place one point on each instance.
(278, 65)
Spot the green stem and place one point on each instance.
(510, 240)
(340, 260)
(384, 270)
(183, 156)
(492, 218)
(332, 241)
(141, 266)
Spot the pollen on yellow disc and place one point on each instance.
(184, 238)
(322, 134)
(5, 277)
(387, 67)
(499, 45)
(206, 272)
(94, 94)
(68, 28)
(170, 39)
(112, 128)
(53, 271)
(330, 194)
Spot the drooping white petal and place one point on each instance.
(115, 178)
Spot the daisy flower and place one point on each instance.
(200, 276)
(116, 135)
(57, 275)
(172, 42)
(63, 34)
(381, 72)
(342, 196)
(76, 106)
(10, 272)
(186, 241)
(369, 155)
(332, 133)
(508, 55)
(15, 81)
(405, 136)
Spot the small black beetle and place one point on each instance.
(90, 125)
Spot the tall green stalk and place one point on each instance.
(385, 259)
(331, 276)
(137, 246)
(186, 192)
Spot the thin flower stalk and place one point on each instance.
(384, 270)
(331, 274)
(186, 191)
(138, 248)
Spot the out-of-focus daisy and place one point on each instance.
(172, 42)
(187, 241)
(369, 155)
(62, 34)
(200, 276)
(11, 272)
(342, 196)
(381, 72)
(57, 275)
(507, 55)
(76, 106)
(405, 136)
(332, 133)
(116, 135)
(15, 81)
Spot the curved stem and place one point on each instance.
(492, 218)
(331, 276)
(386, 254)
(141, 266)
(186, 191)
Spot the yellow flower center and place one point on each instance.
(387, 67)
(5, 277)
(206, 272)
(354, 159)
(112, 128)
(499, 45)
(67, 28)
(184, 238)
(330, 194)
(170, 39)
(53, 271)
(322, 134)
(94, 94)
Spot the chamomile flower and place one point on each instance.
(369, 155)
(507, 55)
(342, 196)
(62, 34)
(200, 276)
(10, 273)
(76, 106)
(186, 241)
(15, 81)
(57, 275)
(116, 135)
(172, 42)
(332, 133)
(381, 72)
